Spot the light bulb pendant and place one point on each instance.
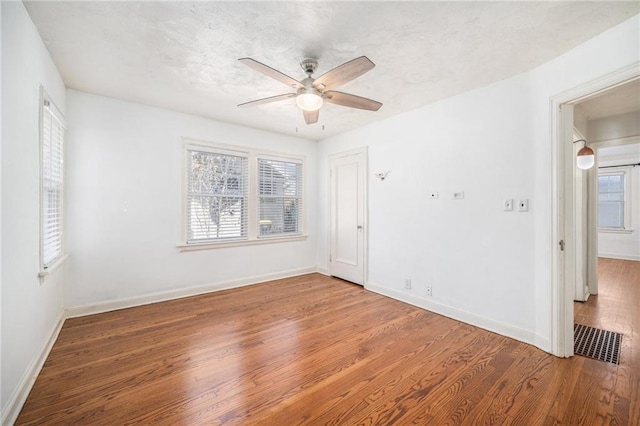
(586, 158)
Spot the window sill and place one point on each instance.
(615, 231)
(43, 273)
(225, 244)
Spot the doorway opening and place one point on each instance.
(610, 262)
(594, 112)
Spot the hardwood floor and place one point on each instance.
(616, 307)
(314, 350)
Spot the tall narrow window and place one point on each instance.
(611, 200)
(279, 197)
(217, 195)
(52, 180)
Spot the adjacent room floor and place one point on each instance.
(318, 350)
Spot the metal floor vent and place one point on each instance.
(595, 343)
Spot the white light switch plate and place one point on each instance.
(457, 195)
(523, 205)
(508, 205)
(433, 195)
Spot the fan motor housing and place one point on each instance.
(309, 65)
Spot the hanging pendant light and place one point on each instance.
(586, 158)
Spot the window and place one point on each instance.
(217, 195)
(237, 196)
(279, 197)
(51, 183)
(612, 200)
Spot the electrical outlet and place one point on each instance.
(508, 205)
(433, 195)
(429, 291)
(407, 284)
(457, 195)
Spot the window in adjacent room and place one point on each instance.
(612, 200)
(52, 127)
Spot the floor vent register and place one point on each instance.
(595, 343)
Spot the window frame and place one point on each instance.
(626, 173)
(47, 106)
(244, 196)
(252, 237)
(301, 197)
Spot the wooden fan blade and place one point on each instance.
(268, 100)
(270, 72)
(311, 116)
(344, 73)
(353, 101)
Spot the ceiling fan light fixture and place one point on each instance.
(309, 100)
(311, 93)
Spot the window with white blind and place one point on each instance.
(217, 195)
(612, 200)
(240, 196)
(279, 197)
(52, 182)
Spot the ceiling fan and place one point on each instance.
(312, 93)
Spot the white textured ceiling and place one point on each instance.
(183, 56)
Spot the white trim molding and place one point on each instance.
(55, 265)
(619, 256)
(615, 231)
(130, 302)
(239, 243)
(323, 271)
(463, 316)
(19, 397)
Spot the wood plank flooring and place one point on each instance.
(314, 350)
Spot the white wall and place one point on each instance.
(124, 204)
(1, 403)
(486, 266)
(614, 127)
(30, 309)
(623, 245)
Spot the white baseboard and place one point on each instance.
(19, 396)
(619, 256)
(130, 302)
(460, 315)
(323, 271)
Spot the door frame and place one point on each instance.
(363, 151)
(562, 212)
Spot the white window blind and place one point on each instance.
(217, 195)
(611, 200)
(52, 180)
(279, 197)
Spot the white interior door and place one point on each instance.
(347, 256)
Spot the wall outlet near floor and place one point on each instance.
(407, 284)
(429, 291)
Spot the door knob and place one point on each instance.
(359, 226)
